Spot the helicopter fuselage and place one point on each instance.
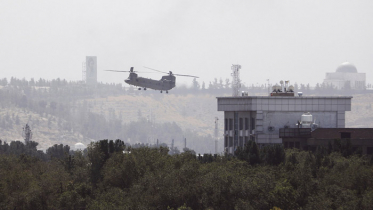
(165, 83)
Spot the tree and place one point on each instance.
(249, 153)
(195, 85)
(227, 83)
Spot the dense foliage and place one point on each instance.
(112, 175)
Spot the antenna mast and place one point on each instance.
(236, 82)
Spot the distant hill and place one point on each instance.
(69, 112)
(194, 112)
(361, 114)
(45, 128)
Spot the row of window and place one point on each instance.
(242, 140)
(243, 124)
(360, 84)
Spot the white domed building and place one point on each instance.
(346, 77)
(79, 146)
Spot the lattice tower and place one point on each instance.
(236, 82)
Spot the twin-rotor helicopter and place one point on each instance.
(166, 83)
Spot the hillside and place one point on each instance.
(45, 128)
(69, 122)
(197, 112)
(194, 112)
(361, 114)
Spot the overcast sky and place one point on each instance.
(291, 40)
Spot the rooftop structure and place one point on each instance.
(346, 77)
(260, 117)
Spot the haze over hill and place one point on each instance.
(68, 112)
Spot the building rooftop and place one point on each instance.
(285, 103)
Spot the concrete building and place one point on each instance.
(306, 139)
(260, 117)
(91, 70)
(346, 77)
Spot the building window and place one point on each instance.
(230, 141)
(252, 123)
(226, 141)
(230, 124)
(240, 143)
(369, 150)
(226, 124)
(291, 144)
(246, 140)
(345, 135)
(286, 144)
(241, 124)
(297, 145)
(246, 123)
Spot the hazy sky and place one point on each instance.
(291, 40)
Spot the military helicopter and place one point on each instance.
(166, 83)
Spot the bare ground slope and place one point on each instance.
(194, 112)
(46, 134)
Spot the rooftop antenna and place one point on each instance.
(282, 85)
(236, 82)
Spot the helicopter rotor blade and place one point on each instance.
(182, 75)
(116, 71)
(156, 70)
(130, 71)
(170, 73)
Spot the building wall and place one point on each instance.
(91, 70)
(268, 114)
(339, 80)
(360, 138)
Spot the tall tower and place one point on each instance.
(236, 82)
(216, 134)
(91, 70)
